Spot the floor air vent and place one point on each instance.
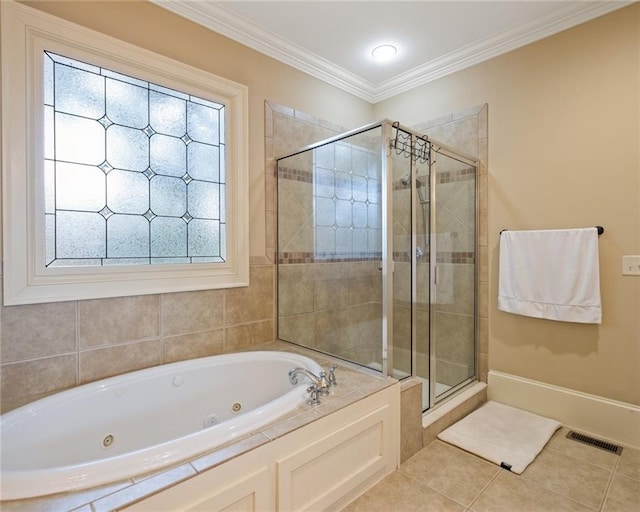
(603, 445)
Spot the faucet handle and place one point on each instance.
(313, 395)
(332, 375)
(323, 386)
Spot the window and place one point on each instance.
(132, 167)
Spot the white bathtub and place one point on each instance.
(141, 421)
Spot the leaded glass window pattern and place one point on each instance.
(134, 172)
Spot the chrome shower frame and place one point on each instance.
(387, 266)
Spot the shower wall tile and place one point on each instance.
(37, 330)
(483, 264)
(296, 289)
(298, 328)
(457, 331)
(255, 302)
(247, 335)
(363, 324)
(104, 322)
(331, 330)
(188, 312)
(331, 294)
(25, 381)
(106, 362)
(483, 335)
(190, 346)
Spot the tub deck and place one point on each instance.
(354, 384)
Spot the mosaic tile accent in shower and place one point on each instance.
(285, 258)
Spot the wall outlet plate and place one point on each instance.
(631, 265)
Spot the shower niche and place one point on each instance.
(376, 254)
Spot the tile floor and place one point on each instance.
(566, 476)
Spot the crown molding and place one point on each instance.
(224, 21)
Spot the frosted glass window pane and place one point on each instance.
(170, 261)
(223, 165)
(223, 241)
(343, 157)
(206, 103)
(127, 236)
(359, 211)
(204, 200)
(127, 148)
(49, 187)
(74, 63)
(168, 196)
(167, 114)
(49, 133)
(79, 187)
(324, 183)
(223, 205)
(343, 185)
(324, 156)
(359, 185)
(127, 104)
(124, 78)
(168, 155)
(79, 140)
(202, 123)
(343, 213)
(127, 192)
(374, 240)
(325, 212)
(325, 240)
(50, 238)
(344, 240)
(125, 261)
(204, 237)
(48, 80)
(123, 172)
(79, 92)
(203, 162)
(92, 243)
(221, 114)
(168, 91)
(359, 240)
(168, 237)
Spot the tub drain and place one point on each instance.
(107, 441)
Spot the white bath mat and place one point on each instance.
(509, 437)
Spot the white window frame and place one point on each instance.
(26, 33)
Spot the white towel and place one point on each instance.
(551, 274)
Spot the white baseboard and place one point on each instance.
(601, 417)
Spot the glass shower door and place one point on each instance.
(453, 254)
(330, 247)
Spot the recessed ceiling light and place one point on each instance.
(384, 52)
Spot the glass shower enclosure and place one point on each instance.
(376, 256)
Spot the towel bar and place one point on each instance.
(599, 228)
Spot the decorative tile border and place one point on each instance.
(291, 258)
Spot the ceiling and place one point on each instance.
(332, 40)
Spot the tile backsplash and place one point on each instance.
(46, 348)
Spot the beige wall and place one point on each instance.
(563, 152)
